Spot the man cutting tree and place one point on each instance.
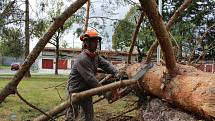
(82, 76)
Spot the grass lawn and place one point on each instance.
(40, 91)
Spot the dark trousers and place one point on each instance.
(80, 111)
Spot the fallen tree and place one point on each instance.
(185, 86)
(192, 89)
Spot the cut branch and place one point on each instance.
(11, 86)
(87, 16)
(32, 106)
(134, 36)
(77, 96)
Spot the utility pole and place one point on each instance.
(73, 41)
(158, 48)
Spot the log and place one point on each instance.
(77, 96)
(191, 90)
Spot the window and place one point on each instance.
(47, 63)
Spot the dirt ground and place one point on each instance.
(158, 110)
(154, 110)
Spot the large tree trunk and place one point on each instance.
(134, 36)
(27, 35)
(177, 13)
(59, 21)
(192, 89)
(150, 8)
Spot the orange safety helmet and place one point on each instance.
(90, 34)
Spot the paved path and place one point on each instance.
(7, 71)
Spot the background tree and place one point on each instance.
(184, 33)
(191, 25)
(12, 18)
(11, 43)
(54, 9)
(27, 34)
(122, 35)
(123, 32)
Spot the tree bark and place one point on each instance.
(134, 36)
(27, 35)
(57, 53)
(12, 85)
(192, 89)
(150, 8)
(177, 13)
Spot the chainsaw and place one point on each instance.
(118, 93)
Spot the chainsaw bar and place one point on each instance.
(142, 71)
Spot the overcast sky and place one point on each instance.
(74, 41)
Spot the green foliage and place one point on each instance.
(11, 14)
(53, 9)
(183, 31)
(191, 24)
(145, 36)
(38, 27)
(122, 35)
(10, 43)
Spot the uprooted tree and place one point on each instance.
(184, 86)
